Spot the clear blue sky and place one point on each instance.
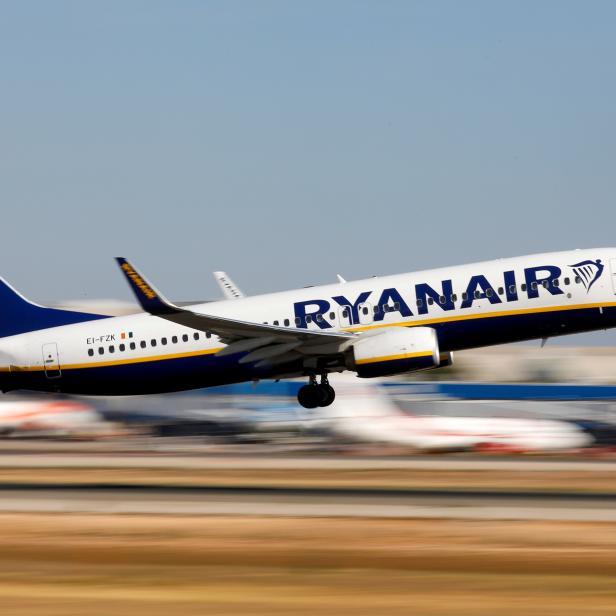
(287, 141)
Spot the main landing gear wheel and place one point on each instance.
(314, 394)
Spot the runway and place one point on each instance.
(96, 458)
(306, 502)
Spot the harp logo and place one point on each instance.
(588, 271)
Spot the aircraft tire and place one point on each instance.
(310, 396)
(330, 394)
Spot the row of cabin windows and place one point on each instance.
(143, 344)
(332, 315)
(513, 289)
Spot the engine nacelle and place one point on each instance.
(393, 351)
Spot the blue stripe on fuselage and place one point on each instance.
(205, 370)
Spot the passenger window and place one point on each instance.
(512, 289)
(464, 296)
(345, 313)
(174, 339)
(454, 298)
(396, 305)
(319, 318)
(489, 292)
(430, 301)
(298, 321)
(365, 310)
(163, 341)
(419, 303)
(142, 344)
(196, 335)
(442, 299)
(533, 285)
(578, 280)
(501, 290)
(90, 352)
(153, 342)
(208, 334)
(111, 349)
(276, 323)
(101, 350)
(545, 283)
(375, 310)
(122, 347)
(332, 316)
(567, 280)
(132, 346)
(308, 319)
(523, 286)
(477, 294)
(184, 337)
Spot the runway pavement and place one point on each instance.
(307, 502)
(158, 460)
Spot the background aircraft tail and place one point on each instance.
(18, 315)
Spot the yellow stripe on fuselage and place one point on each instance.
(374, 360)
(115, 362)
(415, 323)
(487, 315)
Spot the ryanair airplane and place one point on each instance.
(375, 327)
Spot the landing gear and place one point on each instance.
(314, 394)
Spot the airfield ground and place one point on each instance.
(107, 564)
(70, 562)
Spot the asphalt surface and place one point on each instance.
(175, 460)
(306, 502)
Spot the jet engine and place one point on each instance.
(393, 351)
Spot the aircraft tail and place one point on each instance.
(19, 315)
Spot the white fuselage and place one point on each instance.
(480, 304)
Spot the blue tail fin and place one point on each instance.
(18, 315)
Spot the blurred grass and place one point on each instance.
(64, 564)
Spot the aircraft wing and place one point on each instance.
(240, 335)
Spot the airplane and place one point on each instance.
(373, 327)
(45, 417)
(364, 413)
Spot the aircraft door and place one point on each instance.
(51, 360)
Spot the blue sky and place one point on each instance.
(287, 141)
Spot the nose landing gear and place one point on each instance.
(316, 394)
